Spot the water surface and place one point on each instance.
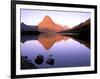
(53, 51)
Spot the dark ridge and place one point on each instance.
(29, 30)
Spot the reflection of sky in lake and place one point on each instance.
(65, 53)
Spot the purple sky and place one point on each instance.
(34, 17)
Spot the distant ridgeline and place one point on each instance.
(27, 29)
(48, 26)
(81, 29)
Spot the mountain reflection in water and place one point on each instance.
(55, 50)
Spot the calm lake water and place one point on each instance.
(52, 51)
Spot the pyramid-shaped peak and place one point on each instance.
(47, 18)
(48, 24)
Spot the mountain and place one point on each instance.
(80, 33)
(29, 30)
(25, 27)
(47, 25)
(85, 24)
(82, 28)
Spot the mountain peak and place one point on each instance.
(47, 19)
(47, 16)
(47, 25)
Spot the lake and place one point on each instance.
(53, 51)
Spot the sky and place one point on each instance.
(68, 18)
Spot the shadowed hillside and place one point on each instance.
(29, 30)
(80, 33)
(81, 29)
